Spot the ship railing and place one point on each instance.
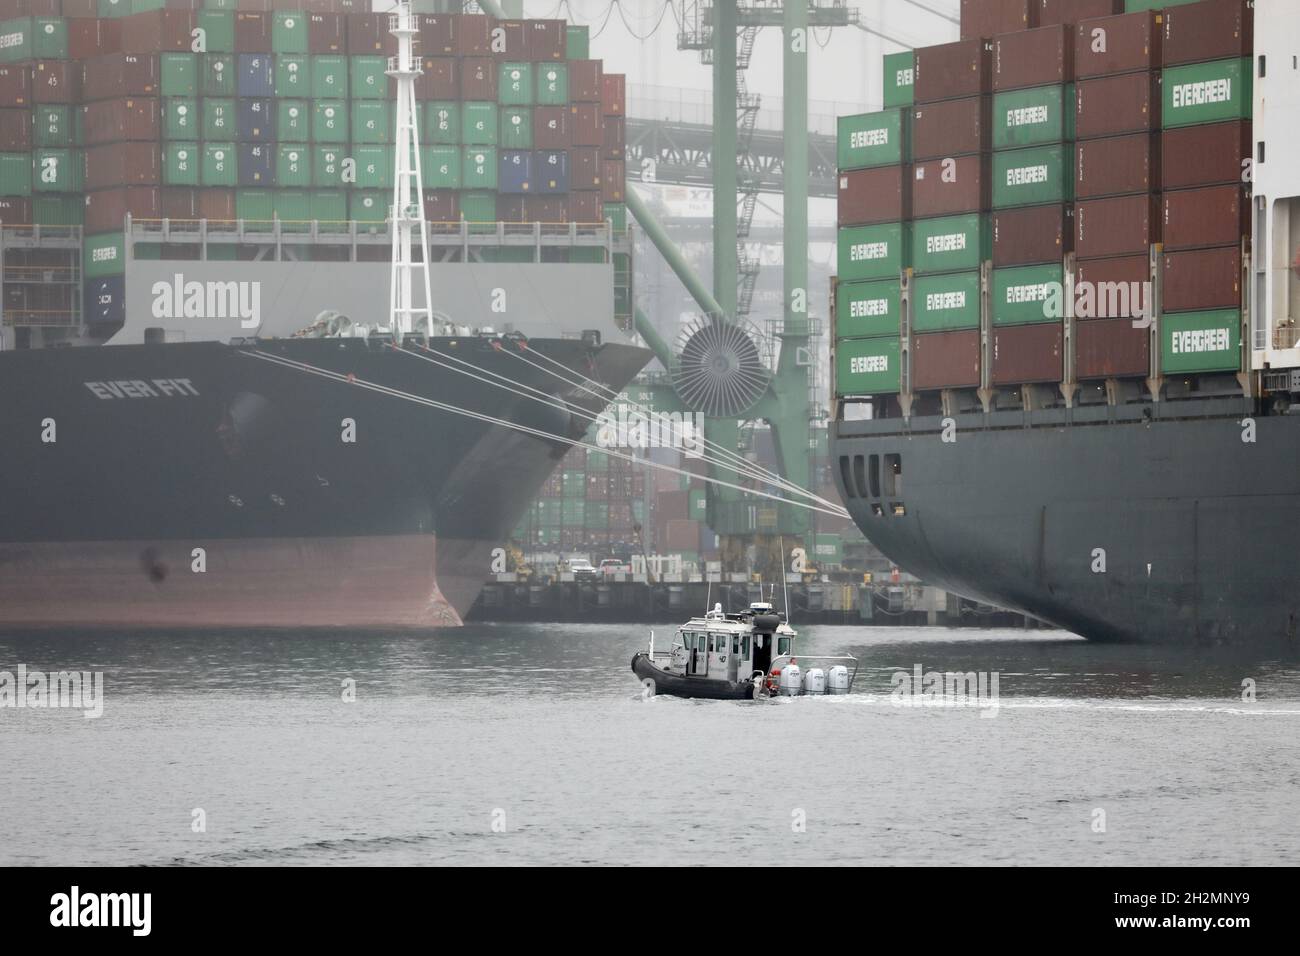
(42, 317)
(1286, 336)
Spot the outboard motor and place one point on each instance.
(814, 682)
(837, 681)
(791, 681)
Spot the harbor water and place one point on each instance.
(533, 744)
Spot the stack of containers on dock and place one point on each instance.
(1033, 189)
(266, 110)
(593, 503)
(1206, 157)
(1117, 184)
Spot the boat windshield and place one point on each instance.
(782, 646)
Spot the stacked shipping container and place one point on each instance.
(1087, 130)
(261, 111)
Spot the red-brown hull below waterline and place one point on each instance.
(407, 582)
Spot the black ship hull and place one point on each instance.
(1165, 524)
(210, 485)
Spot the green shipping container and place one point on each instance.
(372, 122)
(441, 167)
(327, 165)
(329, 121)
(478, 123)
(1027, 294)
(596, 514)
(479, 167)
(478, 206)
(218, 77)
(1137, 6)
(218, 26)
(1044, 114)
(874, 139)
(516, 128)
(697, 504)
(329, 207)
(951, 243)
(552, 84)
(374, 166)
(53, 210)
(109, 9)
(515, 84)
(1034, 176)
(33, 38)
(220, 165)
(178, 74)
(181, 164)
(256, 207)
(289, 32)
(293, 76)
(292, 121)
(181, 119)
(867, 366)
(616, 214)
(577, 43)
(368, 206)
(900, 71)
(54, 126)
(104, 255)
(1207, 92)
(944, 302)
(828, 550)
(367, 77)
(329, 77)
(58, 170)
(442, 122)
(293, 165)
(1200, 341)
(873, 252)
(293, 209)
(865, 309)
(219, 119)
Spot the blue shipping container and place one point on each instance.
(550, 172)
(256, 75)
(256, 165)
(514, 171)
(256, 120)
(105, 299)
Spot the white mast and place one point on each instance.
(407, 210)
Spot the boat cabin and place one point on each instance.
(732, 646)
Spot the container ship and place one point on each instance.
(204, 421)
(1066, 316)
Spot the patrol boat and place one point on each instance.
(741, 656)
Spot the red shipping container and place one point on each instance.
(1025, 354)
(1206, 155)
(507, 39)
(368, 34)
(613, 94)
(15, 130)
(215, 205)
(614, 139)
(1117, 288)
(586, 206)
(1117, 165)
(1202, 279)
(1110, 105)
(442, 205)
(1212, 30)
(1070, 12)
(1211, 216)
(612, 177)
(112, 121)
(550, 127)
(15, 211)
(440, 79)
(177, 202)
(950, 71)
(1032, 234)
(252, 33)
(107, 209)
(584, 168)
(1122, 44)
(545, 40)
(81, 9)
(15, 86)
(40, 8)
(478, 79)
(1111, 348)
(123, 164)
(510, 208)
(87, 38)
(584, 81)
(951, 128)
(552, 209)
(947, 187)
(986, 18)
(1042, 57)
(254, 6)
(881, 194)
(119, 75)
(326, 33)
(56, 81)
(946, 360)
(437, 34)
(1118, 226)
(585, 125)
(473, 35)
(159, 31)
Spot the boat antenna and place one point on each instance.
(708, 594)
(785, 584)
